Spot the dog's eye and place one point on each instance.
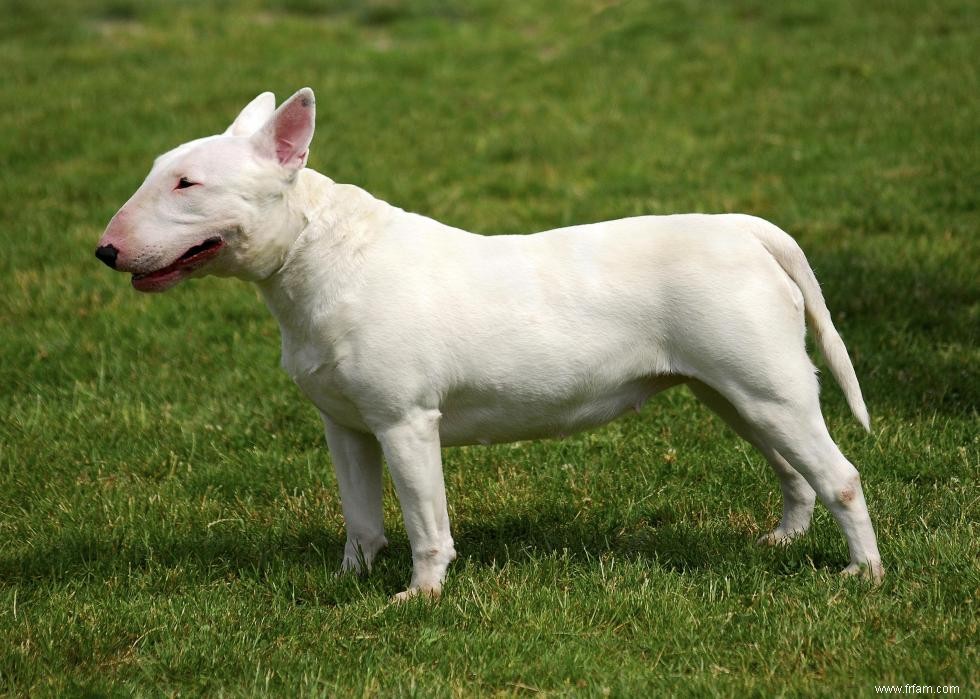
(184, 183)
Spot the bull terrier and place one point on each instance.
(409, 335)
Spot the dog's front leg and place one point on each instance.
(357, 462)
(412, 449)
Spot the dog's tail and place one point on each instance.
(791, 258)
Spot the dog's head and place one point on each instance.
(216, 205)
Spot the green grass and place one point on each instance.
(169, 522)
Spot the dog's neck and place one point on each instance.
(330, 225)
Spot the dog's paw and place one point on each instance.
(780, 537)
(358, 558)
(431, 592)
(871, 570)
(352, 566)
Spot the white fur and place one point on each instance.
(409, 335)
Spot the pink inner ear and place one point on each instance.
(293, 130)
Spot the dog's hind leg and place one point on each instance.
(798, 496)
(795, 428)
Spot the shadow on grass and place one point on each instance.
(199, 558)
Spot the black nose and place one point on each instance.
(108, 254)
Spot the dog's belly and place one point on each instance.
(488, 418)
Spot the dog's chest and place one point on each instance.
(314, 370)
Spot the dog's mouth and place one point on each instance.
(165, 277)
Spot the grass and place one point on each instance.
(169, 522)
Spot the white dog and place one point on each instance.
(409, 335)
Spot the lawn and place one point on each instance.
(169, 521)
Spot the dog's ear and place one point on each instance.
(287, 134)
(254, 116)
